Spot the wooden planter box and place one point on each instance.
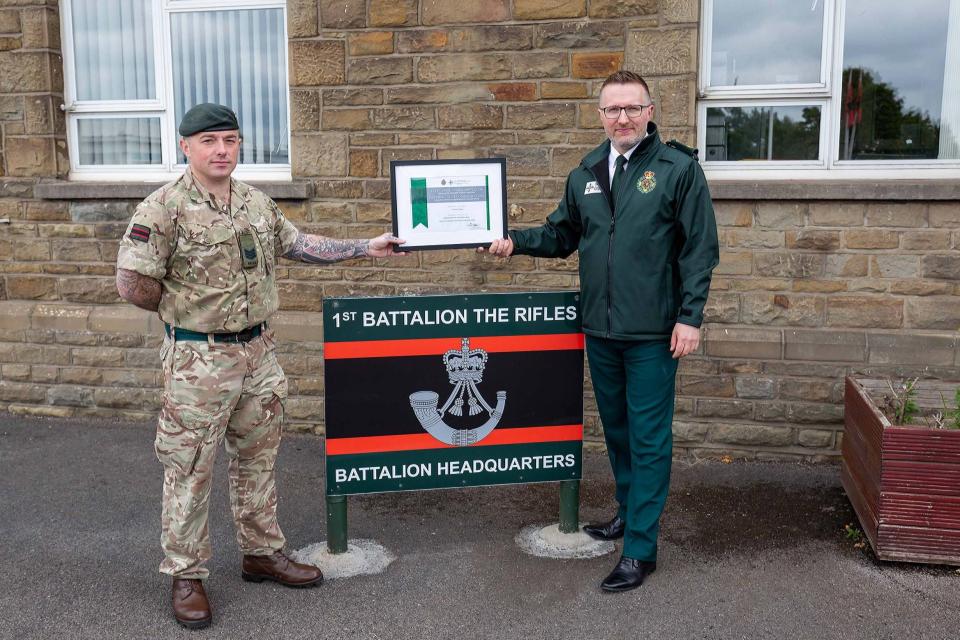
(903, 481)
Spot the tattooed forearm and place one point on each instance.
(138, 289)
(320, 249)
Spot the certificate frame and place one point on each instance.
(471, 211)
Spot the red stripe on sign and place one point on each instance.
(414, 441)
(438, 346)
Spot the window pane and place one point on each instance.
(765, 42)
(113, 49)
(763, 133)
(900, 96)
(119, 140)
(235, 58)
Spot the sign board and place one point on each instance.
(429, 392)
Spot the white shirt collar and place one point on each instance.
(614, 154)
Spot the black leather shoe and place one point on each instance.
(606, 530)
(628, 574)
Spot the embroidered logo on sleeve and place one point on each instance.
(592, 187)
(139, 233)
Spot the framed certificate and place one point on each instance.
(449, 204)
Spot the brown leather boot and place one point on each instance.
(190, 605)
(279, 568)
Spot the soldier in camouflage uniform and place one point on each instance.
(201, 251)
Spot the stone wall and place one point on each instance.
(815, 282)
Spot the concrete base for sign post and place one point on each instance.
(549, 542)
(362, 558)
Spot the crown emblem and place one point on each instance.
(465, 368)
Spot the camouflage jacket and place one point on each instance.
(216, 264)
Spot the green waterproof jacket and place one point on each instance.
(646, 266)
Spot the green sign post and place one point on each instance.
(452, 391)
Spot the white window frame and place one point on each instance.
(162, 107)
(827, 93)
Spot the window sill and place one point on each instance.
(721, 189)
(65, 190)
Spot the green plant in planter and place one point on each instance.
(901, 406)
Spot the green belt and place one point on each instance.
(246, 335)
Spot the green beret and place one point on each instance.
(208, 117)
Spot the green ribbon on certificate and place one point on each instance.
(418, 198)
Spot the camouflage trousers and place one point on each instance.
(213, 392)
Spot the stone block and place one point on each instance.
(932, 240)
(708, 408)
(22, 392)
(813, 239)
(9, 21)
(28, 287)
(563, 90)
(346, 119)
(711, 386)
(911, 348)
(566, 159)
(921, 288)
(734, 214)
(815, 438)
(125, 319)
(342, 14)
(304, 110)
(677, 102)
(944, 215)
(782, 309)
(38, 115)
(90, 211)
(316, 62)
(580, 35)
(780, 215)
(686, 432)
(755, 387)
(525, 161)
(302, 18)
(730, 342)
(16, 372)
(403, 118)
(89, 290)
(750, 435)
(595, 65)
(355, 96)
(70, 396)
(548, 9)
(935, 312)
(886, 214)
(470, 116)
(753, 238)
(364, 163)
(393, 13)
(789, 265)
(810, 390)
(864, 311)
(127, 398)
(722, 307)
(847, 265)
(347, 189)
(837, 214)
(464, 66)
(894, 266)
(30, 157)
(588, 117)
(23, 72)
(378, 71)
(370, 43)
(734, 263)
(622, 8)
(29, 250)
(541, 116)
(394, 153)
(443, 94)
(513, 91)
(662, 53)
(546, 64)
(819, 286)
(332, 211)
(946, 267)
(446, 12)
(59, 317)
(319, 155)
(871, 239)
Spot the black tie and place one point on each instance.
(617, 179)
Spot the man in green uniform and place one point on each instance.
(201, 251)
(639, 213)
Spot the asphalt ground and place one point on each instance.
(748, 550)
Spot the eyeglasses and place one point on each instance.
(633, 111)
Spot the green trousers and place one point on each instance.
(634, 383)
